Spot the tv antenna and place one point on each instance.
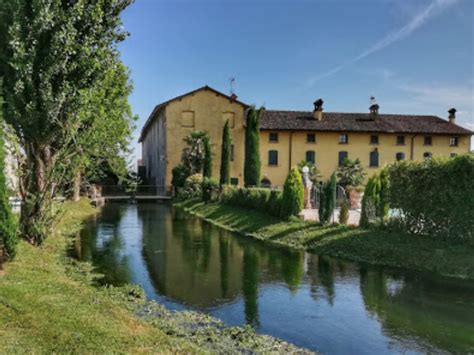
(232, 86)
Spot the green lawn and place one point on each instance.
(378, 245)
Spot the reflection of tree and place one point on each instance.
(100, 243)
(326, 276)
(250, 286)
(204, 250)
(292, 268)
(224, 262)
(429, 309)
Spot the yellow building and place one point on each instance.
(288, 137)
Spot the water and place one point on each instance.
(313, 301)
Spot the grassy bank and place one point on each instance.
(379, 245)
(50, 304)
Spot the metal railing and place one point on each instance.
(316, 196)
(135, 191)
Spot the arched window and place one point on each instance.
(400, 156)
(427, 155)
(273, 157)
(311, 156)
(265, 183)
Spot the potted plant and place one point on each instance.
(351, 176)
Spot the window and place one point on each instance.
(273, 157)
(400, 156)
(310, 138)
(453, 141)
(231, 152)
(273, 137)
(374, 139)
(343, 139)
(428, 140)
(234, 181)
(265, 183)
(400, 140)
(342, 157)
(427, 155)
(311, 156)
(187, 118)
(374, 158)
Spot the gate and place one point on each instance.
(316, 196)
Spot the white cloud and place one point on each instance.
(420, 18)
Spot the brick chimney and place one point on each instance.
(452, 115)
(374, 108)
(318, 110)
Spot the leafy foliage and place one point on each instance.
(207, 163)
(351, 173)
(179, 175)
(313, 173)
(225, 155)
(344, 212)
(434, 196)
(370, 201)
(193, 155)
(253, 198)
(8, 237)
(252, 163)
(327, 200)
(293, 194)
(51, 54)
(210, 189)
(192, 187)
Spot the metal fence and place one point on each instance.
(137, 190)
(316, 196)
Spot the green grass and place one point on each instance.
(50, 303)
(377, 245)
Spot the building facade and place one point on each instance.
(288, 137)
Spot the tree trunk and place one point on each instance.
(76, 193)
(35, 218)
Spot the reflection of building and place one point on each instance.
(288, 137)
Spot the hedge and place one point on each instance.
(255, 198)
(435, 197)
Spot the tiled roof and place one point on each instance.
(358, 122)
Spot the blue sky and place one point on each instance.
(414, 56)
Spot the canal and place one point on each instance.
(317, 302)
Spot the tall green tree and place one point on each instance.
(207, 163)
(225, 155)
(293, 194)
(370, 201)
(51, 51)
(252, 164)
(8, 236)
(327, 202)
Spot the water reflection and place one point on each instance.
(314, 301)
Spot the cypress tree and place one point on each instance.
(328, 200)
(293, 194)
(8, 236)
(252, 164)
(207, 164)
(225, 155)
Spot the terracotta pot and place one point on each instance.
(355, 199)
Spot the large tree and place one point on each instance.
(225, 155)
(252, 164)
(51, 52)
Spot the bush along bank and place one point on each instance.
(51, 303)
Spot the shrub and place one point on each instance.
(8, 237)
(435, 197)
(293, 195)
(252, 162)
(253, 198)
(207, 163)
(192, 188)
(179, 175)
(225, 155)
(327, 200)
(384, 202)
(351, 173)
(344, 212)
(210, 189)
(370, 201)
